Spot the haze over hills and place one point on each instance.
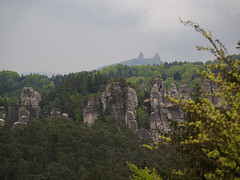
(140, 60)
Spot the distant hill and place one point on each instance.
(140, 60)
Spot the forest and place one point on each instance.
(205, 146)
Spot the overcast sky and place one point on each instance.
(64, 36)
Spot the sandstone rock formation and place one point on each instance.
(54, 114)
(2, 121)
(143, 88)
(206, 88)
(2, 112)
(2, 115)
(27, 108)
(162, 109)
(91, 112)
(144, 134)
(185, 91)
(209, 87)
(121, 102)
(65, 115)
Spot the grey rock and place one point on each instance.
(144, 134)
(55, 114)
(162, 110)
(132, 124)
(2, 121)
(209, 87)
(90, 112)
(160, 84)
(23, 112)
(176, 113)
(2, 112)
(143, 88)
(216, 100)
(173, 91)
(185, 91)
(206, 88)
(23, 119)
(156, 99)
(131, 105)
(30, 97)
(16, 124)
(65, 115)
(28, 106)
(122, 102)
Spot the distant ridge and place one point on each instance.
(140, 60)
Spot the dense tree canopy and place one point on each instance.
(63, 149)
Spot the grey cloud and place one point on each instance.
(75, 35)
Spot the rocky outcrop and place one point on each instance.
(2, 115)
(143, 88)
(120, 102)
(184, 91)
(27, 108)
(144, 134)
(131, 108)
(2, 121)
(206, 88)
(162, 109)
(209, 89)
(56, 114)
(91, 111)
(2, 112)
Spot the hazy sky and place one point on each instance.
(66, 36)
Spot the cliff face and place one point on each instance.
(121, 102)
(2, 115)
(162, 109)
(209, 87)
(27, 108)
(91, 112)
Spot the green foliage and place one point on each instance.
(142, 118)
(63, 149)
(215, 129)
(181, 72)
(73, 93)
(11, 83)
(209, 139)
(143, 173)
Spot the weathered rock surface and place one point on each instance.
(143, 88)
(91, 112)
(162, 110)
(122, 103)
(173, 91)
(2, 121)
(16, 124)
(119, 101)
(206, 88)
(2, 112)
(27, 108)
(65, 115)
(215, 99)
(209, 87)
(23, 119)
(144, 134)
(185, 91)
